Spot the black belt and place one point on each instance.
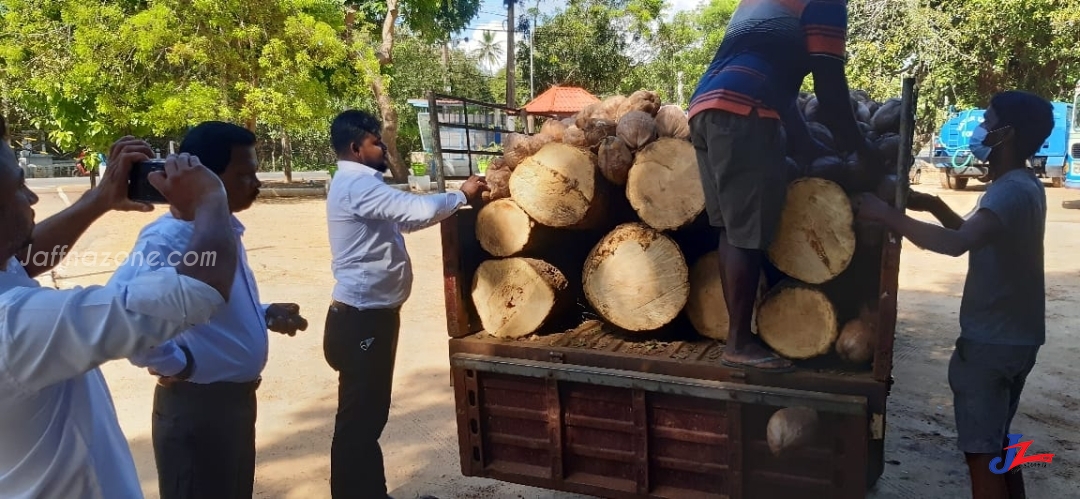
(224, 386)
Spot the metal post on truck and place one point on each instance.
(436, 143)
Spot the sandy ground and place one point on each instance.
(287, 247)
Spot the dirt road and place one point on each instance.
(287, 246)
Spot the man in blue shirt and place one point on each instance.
(204, 405)
(1003, 311)
(366, 219)
(744, 121)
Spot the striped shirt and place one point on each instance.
(765, 55)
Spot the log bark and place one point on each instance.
(636, 278)
(798, 321)
(515, 297)
(815, 241)
(504, 229)
(705, 307)
(559, 187)
(664, 185)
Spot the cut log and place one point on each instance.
(664, 186)
(558, 187)
(636, 278)
(815, 241)
(514, 297)
(798, 321)
(671, 121)
(498, 180)
(614, 160)
(504, 229)
(705, 307)
(791, 428)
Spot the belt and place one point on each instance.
(170, 382)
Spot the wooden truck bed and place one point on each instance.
(591, 411)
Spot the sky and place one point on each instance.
(493, 17)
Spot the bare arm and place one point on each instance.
(214, 244)
(972, 234)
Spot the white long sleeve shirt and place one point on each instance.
(366, 219)
(59, 436)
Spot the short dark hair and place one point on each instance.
(351, 126)
(213, 142)
(1030, 116)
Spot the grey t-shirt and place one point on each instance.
(1005, 296)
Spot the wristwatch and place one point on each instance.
(189, 365)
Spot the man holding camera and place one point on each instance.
(59, 432)
(204, 404)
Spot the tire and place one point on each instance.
(1057, 182)
(953, 183)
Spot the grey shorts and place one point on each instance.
(743, 170)
(986, 381)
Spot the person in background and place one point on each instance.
(203, 419)
(742, 109)
(1003, 309)
(373, 274)
(59, 435)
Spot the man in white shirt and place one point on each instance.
(59, 436)
(366, 218)
(205, 405)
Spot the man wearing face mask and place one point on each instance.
(366, 219)
(1002, 314)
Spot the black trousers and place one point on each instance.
(204, 440)
(360, 345)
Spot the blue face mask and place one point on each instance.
(975, 143)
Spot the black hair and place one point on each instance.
(352, 126)
(213, 142)
(1030, 116)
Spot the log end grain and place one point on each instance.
(798, 321)
(503, 228)
(557, 185)
(636, 278)
(815, 241)
(664, 185)
(514, 297)
(706, 307)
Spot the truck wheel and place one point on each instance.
(953, 183)
(1057, 182)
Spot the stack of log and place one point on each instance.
(606, 209)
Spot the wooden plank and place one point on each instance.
(457, 317)
(640, 413)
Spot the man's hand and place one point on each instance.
(112, 192)
(871, 208)
(918, 201)
(186, 183)
(474, 188)
(285, 318)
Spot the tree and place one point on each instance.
(490, 52)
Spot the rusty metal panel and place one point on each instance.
(642, 435)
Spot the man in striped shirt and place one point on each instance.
(744, 122)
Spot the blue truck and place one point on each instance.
(952, 156)
(1072, 174)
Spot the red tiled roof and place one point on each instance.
(561, 100)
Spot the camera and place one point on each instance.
(139, 186)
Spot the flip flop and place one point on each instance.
(753, 364)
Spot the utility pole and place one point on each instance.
(680, 89)
(511, 101)
(532, 50)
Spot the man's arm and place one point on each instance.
(382, 202)
(974, 233)
(55, 236)
(825, 24)
(48, 335)
(944, 214)
(798, 134)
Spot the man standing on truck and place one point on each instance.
(1003, 311)
(366, 218)
(742, 109)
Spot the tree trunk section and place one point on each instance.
(664, 185)
(286, 156)
(636, 278)
(798, 321)
(389, 129)
(815, 241)
(559, 186)
(504, 229)
(514, 297)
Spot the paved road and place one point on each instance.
(82, 183)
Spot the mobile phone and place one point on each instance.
(139, 186)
